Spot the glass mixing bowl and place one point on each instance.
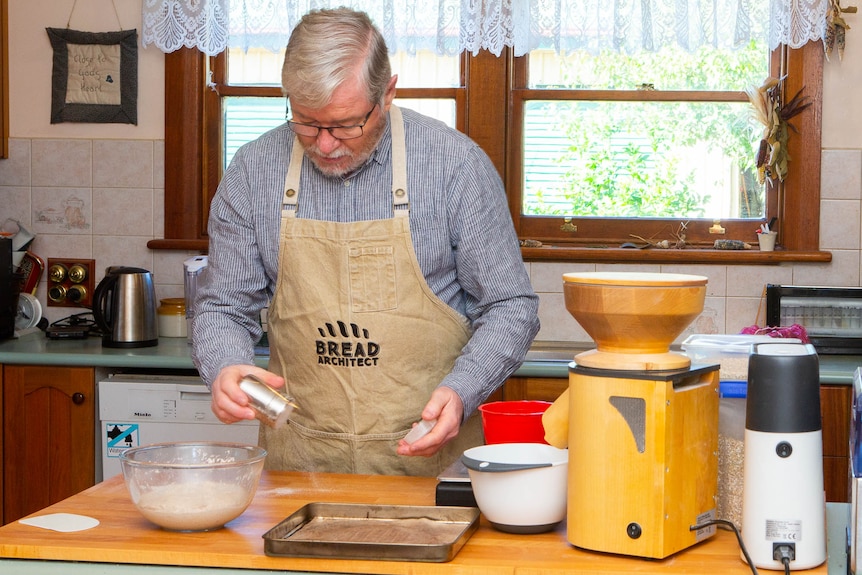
(192, 486)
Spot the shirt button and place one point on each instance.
(346, 183)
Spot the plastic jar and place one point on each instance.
(731, 451)
(172, 317)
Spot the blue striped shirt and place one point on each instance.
(460, 225)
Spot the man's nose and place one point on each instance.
(326, 142)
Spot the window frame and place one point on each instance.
(490, 92)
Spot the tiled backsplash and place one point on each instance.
(103, 199)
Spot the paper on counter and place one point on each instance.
(63, 522)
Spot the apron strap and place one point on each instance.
(291, 180)
(400, 201)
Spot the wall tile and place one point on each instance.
(122, 164)
(750, 281)
(122, 251)
(842, 271)
(168, 266)
(742, 312)
(548, 276)
(636, 268)
(62, 210)
(839, 224)
(15, 204)
(123, 211)
(158, 212)
(63, 246)
(557, 323)
(716, 277)
(710, 320)
(15, 170)
(66, 163)
(159, 164)
(841, 174)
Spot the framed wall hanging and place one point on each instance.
(95, 77)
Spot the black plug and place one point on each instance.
(784, 552)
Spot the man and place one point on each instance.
(383, 239)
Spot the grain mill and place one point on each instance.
(643, 422)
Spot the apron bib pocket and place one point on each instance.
(372, 278)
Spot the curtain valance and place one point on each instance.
(452, 26)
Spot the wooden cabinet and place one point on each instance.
(835, 406)
(48, 436)
(835, 403)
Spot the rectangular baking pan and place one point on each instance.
(378, 532)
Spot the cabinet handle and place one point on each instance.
(78, 398)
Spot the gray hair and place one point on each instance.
(326, 48)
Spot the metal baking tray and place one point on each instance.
(379, 532)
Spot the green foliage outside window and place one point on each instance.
(647, 159)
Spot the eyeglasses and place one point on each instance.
(337, 132)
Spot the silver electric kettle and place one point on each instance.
(124, 307)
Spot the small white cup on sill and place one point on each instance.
(767, 241)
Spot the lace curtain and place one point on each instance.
(452, 26)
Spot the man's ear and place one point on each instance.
(390, 92)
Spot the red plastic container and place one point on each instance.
(514, 421)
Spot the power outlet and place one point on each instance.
(71, 282)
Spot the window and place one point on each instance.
(489, 100)
(250, 77)
(677, 143)
(600, 158)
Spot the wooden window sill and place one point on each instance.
(608, 254)
(179, 244)
(671, 256)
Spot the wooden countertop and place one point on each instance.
(125, 537)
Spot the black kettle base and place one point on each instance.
(129, 344)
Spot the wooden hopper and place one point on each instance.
(633, 317)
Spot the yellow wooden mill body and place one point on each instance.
(642, 422)
(643, 460)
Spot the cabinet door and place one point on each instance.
(534, 388)
(835, 406)
(48, 436)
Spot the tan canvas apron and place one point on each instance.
(359, 337)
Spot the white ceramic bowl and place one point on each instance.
(194, 486)
(519, 487)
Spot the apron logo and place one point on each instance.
(346, 346)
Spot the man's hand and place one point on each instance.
(230, 403)
(447, 408)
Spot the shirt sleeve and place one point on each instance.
(500, 302)
(235, 286)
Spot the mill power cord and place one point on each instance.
(731, 527)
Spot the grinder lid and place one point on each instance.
(783, 388)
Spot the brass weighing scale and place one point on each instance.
(642, 421)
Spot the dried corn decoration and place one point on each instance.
(836, 28)
(772, 156)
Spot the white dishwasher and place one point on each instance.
(137, 409)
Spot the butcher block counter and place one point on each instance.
(124, 542)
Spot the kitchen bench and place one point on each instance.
(545, 359)
(543, 376)
(124, 542)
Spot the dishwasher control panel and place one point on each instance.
(157, 403)
(136, 409)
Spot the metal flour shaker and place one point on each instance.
(270, 406)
